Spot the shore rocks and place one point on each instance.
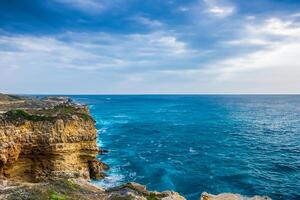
(73, 189)
(135, 191)
(230, 196)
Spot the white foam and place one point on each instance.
(192, 150)
(120, 116)
(112, 180)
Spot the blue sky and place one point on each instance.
(149, 46)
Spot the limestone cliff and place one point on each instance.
(49, 142)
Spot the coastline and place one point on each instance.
(74, 176)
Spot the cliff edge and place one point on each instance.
(48, 138)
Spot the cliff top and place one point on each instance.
(19, 108)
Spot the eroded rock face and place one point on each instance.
(135, 191)
(41, 148)
(83, 190)
(230, 196)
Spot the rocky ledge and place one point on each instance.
(79, 189)
(48, 151)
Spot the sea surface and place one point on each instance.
(191, 144)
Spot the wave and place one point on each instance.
(120, 116)
(110, 181)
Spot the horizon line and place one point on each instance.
(150, 94)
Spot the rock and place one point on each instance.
(96, 169)
(136, 186)
(172, 196)
(128, 195)
(230, 196)
(59, 142)
(139, 192)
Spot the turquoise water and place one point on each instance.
(190, 144)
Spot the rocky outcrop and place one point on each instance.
(49, 143)
(136, 191)
(230, 196)
(73, 189)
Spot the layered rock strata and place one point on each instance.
(44, 143)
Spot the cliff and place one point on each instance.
(48, 142)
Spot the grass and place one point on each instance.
(60, 111)
(152, 197)
(21, 114)
(70, 185)
(56, 196)
(58, 190)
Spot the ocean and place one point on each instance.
(247, 144)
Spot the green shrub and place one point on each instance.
(21, 114)
(56, 196)
(152, 197)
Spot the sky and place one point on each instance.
(150, 46)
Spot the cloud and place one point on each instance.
(183, 9)
(279, 52)
(161, 57)
(263, 58)
(205, 51)
(218, 9)
(88, 6)
(147, 22)
(92, 51)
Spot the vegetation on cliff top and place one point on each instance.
(18, 108)
(57, 190)
(21, 114)
(62, 111)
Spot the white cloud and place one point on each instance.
(219, 9)
(148, 22)
(271, 66)
(279, 56)
(262, 58)
(269, 33)
(91, 51)
(89, 62)
(274, 26)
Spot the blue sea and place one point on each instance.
(194, 143)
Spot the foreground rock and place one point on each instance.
(229, 196)
(79, 189)
(136, 191)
